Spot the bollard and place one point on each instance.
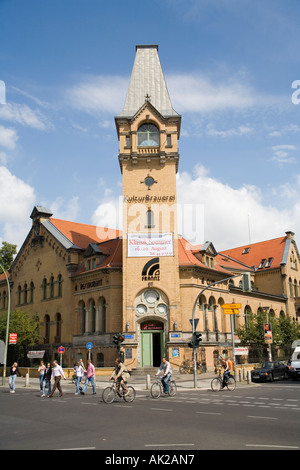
(240, 375)
(147, 382)
(27, 380)
(249, 379)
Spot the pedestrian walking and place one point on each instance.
(14, 371)
(47, 379)
(90, 377)
(79, 371)
(41, 370)
(57, 374)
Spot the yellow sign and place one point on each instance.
(231, 311)
(231, 306)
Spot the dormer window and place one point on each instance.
(262, 263)
(269, 262)
(246, 250)
(148, 136)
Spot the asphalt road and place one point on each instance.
(254, 417)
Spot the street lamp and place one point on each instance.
(7, 326)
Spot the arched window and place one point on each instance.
(25, 294)
(59, 280)
(47, 329)
(81, 317)
(58, 327)
(52, 287)
(31, 292)
(19, 295)
(148, 136)
(44, 289)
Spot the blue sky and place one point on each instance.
(229, 67)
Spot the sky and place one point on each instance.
(233, 73)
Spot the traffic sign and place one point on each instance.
(61, 350)
(89, 345)
(231, 306)
(231, 311)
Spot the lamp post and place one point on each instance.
(7, 326)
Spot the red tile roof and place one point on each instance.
(253, 254)
(83, 234)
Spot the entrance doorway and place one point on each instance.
(152, 343)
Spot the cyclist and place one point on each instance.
(227, 369)
(165, 368)
(120, 375)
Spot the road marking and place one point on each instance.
(206, 413)
(273, 446)
(161, 409)
(79, 448)
(262, 417)
(168, 445)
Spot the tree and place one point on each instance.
(7, 253)
(284, 332)
(27, 328)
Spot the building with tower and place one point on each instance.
(87, 283)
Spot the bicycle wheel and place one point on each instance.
(231, 384)
(130, 396)
(155, 390)
(108, 395)
(172, 388)
(216, 384)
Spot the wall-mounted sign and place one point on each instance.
(148, 245)
(148, 198)
(151, 271)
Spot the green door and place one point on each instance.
(151, 348)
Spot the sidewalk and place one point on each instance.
(184, 382)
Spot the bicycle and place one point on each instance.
(217, 383)
(157, 388)
(110, 393)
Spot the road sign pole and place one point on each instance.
(193, 317)
(233, 346)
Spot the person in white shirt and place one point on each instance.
(166, 370)
(79, 371)
(57, 374)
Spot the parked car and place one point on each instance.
(270, 371)
(294, 369)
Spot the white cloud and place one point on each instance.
(98, 94)
(8, 137)
(198, 93)
(24, 115)
(232, 215)
(16, 199)
(282, 154)
(64, 210)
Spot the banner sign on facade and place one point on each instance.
(149, 245)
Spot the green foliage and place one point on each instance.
(284, 332)
(27, 328)
(7, 253)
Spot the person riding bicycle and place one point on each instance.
(120, 375)
(227, 369)
(165, 368)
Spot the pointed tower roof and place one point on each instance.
(147, 83)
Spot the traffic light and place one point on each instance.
(246, 282)
(118, 339)
(196, 340)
